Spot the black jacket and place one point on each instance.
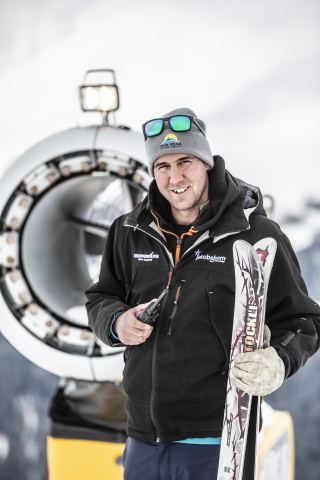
(176, 383)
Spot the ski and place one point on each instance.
(266, 250)
(252, 266)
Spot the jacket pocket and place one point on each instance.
(290, 336)
(210, 295)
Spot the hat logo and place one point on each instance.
(170, 141)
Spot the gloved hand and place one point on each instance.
(258, 373)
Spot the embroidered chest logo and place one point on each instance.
(146, 257)
(209, 258)
(170, 140)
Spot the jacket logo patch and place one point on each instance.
(209, 258)
(146, 257)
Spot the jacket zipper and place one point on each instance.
(153, 366)
(178, 250)
(175, 307)
(153, 370)
(290, 336)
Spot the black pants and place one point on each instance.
(170, 461)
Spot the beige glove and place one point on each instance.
(258, 373)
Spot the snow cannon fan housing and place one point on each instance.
(57, 203)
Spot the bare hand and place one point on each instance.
(129, 329)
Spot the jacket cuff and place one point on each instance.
(285, 357)
(112, 336)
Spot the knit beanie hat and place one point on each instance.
(193, 141)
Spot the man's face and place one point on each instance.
(183, 180)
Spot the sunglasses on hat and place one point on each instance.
(177, 123)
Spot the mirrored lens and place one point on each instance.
(180, 123)
(153, 127)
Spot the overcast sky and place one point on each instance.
(249, 69)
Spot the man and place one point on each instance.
(180, 238)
